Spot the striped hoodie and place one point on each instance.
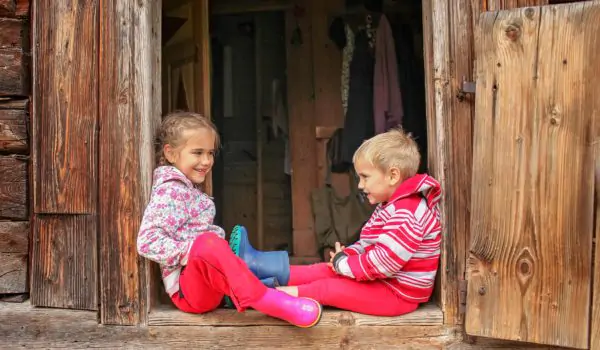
(400, 243)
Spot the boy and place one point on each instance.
(391, 269)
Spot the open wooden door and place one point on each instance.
(532, 213)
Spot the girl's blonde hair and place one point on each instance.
(172, 130)
(391, 149)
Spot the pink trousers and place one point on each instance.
(319, 282)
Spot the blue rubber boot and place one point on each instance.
(270, 282)
(262, 264)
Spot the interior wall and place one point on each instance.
(234, 56)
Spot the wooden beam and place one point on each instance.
(13, 34)
(65, 113)
(7, 8)
(425, 315)
(64, 264)
(13, 188)
(301, 110)
(202, 67)
(129, 96)
(258, 102)
(14, 250)
(170, 5)
(325, 132)
(229, 7)
(14, 73)
(14, 133)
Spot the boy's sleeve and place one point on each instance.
(357, 248)
(165, 213)
(393, 249)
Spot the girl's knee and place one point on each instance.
(209, 243)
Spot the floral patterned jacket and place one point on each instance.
(178, 212)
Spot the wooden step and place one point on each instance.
(167, 315)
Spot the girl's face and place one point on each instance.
(196, 156)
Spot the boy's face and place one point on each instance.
(196, 157)
(379, 186)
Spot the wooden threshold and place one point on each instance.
(167, 315)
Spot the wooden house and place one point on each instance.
(512, 113)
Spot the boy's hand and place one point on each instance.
(338, 248)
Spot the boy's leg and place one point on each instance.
(371, 298)
(303, 274)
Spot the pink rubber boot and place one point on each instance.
(301, 312)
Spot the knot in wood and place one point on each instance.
(524, 268)
(513, 32)
(529, 12)
(346, 319)
(482, 290)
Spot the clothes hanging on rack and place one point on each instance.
(358, 124)
(387, 98)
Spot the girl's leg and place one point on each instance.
(303, 274)
(371, 298)
(214, 271)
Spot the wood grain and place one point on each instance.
(79, 329)
(427, 315)
(64, 262)
(65, 112)
(14, 132)
(14, 250)
(14, 72)
(129, 92)
(532, 210)
(13, 34)
(13, 188)
(301, 109)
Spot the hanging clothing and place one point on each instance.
(387, 106)
(411, 77)
(347, 54)
(358, 124)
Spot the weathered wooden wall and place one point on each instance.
(14, 147)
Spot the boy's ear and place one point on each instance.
(395, 176)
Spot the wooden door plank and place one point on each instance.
(65, 97)
(65, 265)
(129, 91)
(532, 210)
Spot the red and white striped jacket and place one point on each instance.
(400, 243)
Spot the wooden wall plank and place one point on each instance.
(129, 92)
(14, 250)
(14, 133)
(532, 226)
(7, 8)
(65, 97)
(13, 188)
(13, 33)
(64, 262)
(14, 72)
(301, 109)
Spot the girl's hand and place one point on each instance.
(338, 248)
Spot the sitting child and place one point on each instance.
(391, 269)
(177, 231)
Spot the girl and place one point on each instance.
(392, 267)
(177, 232)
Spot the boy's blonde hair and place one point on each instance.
(391, 149)
(172, 130)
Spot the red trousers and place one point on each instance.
(213, 271)
(319, 282)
